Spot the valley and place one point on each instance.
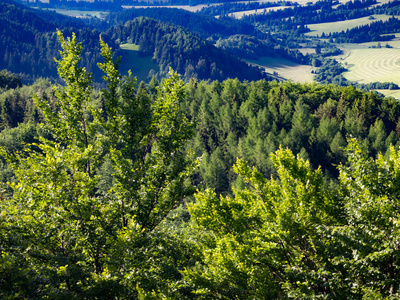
(288, 64)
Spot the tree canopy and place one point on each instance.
(73, 230)
(294, 237)
(99, 204)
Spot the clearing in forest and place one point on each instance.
(139, 65)
(390, 93)
(285, 69)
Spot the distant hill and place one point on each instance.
(222, 31)
(28, 45)
(28, 41)
(205, 26)
(173, 46)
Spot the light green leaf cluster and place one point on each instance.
(294, 237)
(264, 234)
(79, 239)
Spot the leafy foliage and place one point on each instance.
(9, 81)
(30, 42)
(294, 237)
(76, 237)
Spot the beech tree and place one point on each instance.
(295, 237)
(66, 235)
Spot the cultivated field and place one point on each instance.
(285, 69)
(390, 93)
(238, 14)
(194, 8)
(241, 14)
(373, 65)
(331, 27)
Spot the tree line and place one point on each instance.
(376, 31)
(318, 12)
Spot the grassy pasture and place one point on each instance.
(286, 69)
(331, 27)
(82, 13)
(132, 47)
(381, 2)
(238, 14)
(241, 14)
(134, 61)
(373, 65)
(305, 51)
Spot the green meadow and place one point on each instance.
(139, 65)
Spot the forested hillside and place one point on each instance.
(203, 25)
(30, 44)
(100, 206)
(189, 55)
(237, 37)
(377, 31)
(318, 12)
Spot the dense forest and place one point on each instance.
(98, 188)
(30, 43)
(277, 34)
(203, 25)
(223, 31)
(172, 46)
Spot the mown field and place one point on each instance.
(82, 13)
(190, 8)
(132, 47)
(364, 64)
(373, 65)
(390, 93)
(331, 27)
(241, 14)
(286, 69)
